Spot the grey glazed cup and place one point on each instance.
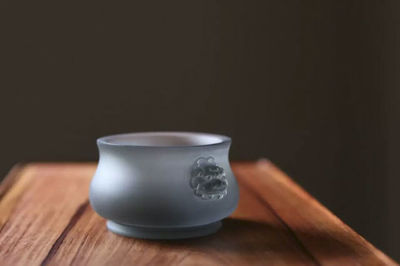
(164, 185)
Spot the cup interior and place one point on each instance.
(165, 139)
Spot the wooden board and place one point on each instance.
(46, 219)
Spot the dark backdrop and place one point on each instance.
(311, 85)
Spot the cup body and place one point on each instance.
(164, 180)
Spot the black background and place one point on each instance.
(311, 85)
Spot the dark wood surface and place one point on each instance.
(45, 218)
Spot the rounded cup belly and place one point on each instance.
(156, 201)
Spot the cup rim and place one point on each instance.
(199, 139)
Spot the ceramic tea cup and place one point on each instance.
(164, 185)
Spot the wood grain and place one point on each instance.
(46, 219)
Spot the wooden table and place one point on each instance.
(45, 218)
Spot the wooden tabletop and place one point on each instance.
(46, 219)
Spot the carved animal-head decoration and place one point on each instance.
(208, 180)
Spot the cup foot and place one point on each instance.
(163, 233)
